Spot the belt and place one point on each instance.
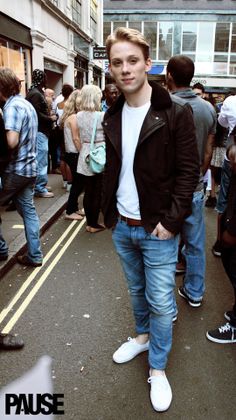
(130, 222)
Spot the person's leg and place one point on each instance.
(26, 208)
(75, 191)
(42, 161)
(159, 259)
(221, 203)
(92, 199)
(132, 263)
(3, 245)
(228, 256)
(193, 233)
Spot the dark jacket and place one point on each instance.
(166, 162)
(37, 99)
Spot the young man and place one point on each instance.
(18, 179)
(180, 71)
(151, 173)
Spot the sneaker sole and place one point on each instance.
(216, 253)
(191, 303)
(217, 340)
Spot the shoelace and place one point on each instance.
(225, 328)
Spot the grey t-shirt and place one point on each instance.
(204, 116)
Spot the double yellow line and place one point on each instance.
(40, 281)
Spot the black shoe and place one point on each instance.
(3, 257)
(230, 316)
(211, 202)
(225, 334)
(191, 302)
(10, 342)
(216, 249)
(24, 260)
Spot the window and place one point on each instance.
(221, 48)
(232, 65)
(165, 41)
(76, 11)
(119, 25)
(135, 25)
(150, 33)
(106, 31)
(189, 39)
(93, 18)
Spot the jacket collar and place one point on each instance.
(160, 99)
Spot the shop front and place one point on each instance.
(15, 49)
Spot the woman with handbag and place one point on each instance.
(89, 122)
(72, 146)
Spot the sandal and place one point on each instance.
(10, 342)
(99, 228)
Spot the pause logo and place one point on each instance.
(34, 404)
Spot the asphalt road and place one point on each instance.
(76, 310)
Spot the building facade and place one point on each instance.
(56, 36)
(204, 30)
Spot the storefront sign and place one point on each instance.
(99, 53)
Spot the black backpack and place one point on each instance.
(5, 153)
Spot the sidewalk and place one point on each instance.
(48, 210)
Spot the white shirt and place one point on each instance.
(127, 195)
(227, 116)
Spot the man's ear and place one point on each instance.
(148, 64)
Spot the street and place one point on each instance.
(76, 310)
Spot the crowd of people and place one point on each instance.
(160, 142)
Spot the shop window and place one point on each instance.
(165, 41)
(232, 64)
(205, 43)
(189, 38)
(106, 31)
(135, 25)
(93, 18)
(76, 11)
(222, 37)
(150, 33)
(17, 58)
(119, 25)
(233, 39)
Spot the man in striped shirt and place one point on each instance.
(18, 180)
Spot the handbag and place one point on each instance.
(97, 155)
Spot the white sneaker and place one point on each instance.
(160, 393)
(129, 350)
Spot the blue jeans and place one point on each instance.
(21, 190)
(193, 235)
(3, 244)
(149, 266)
(42, 160)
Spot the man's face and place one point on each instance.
(111, 94)
(128, 66)
(199, 92)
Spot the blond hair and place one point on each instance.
(72, 106)
(130, 35)
(91, 96)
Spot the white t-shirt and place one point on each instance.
(127, 195)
